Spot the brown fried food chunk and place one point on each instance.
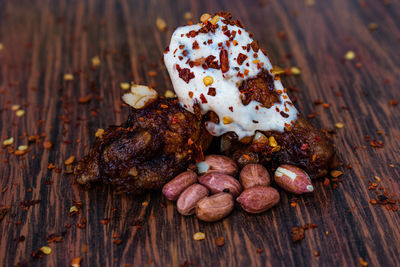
(154, 145)
(302, 145)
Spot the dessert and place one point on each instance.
(217, 66)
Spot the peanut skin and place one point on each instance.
(254, 175)
(215, 207)
(219, 182)
(258, 199)
(218, 163)
(187, 201)
(174, 188)
(293, 179)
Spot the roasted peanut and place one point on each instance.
(219, 182)
(217, 163)
(254, 175)
(258, 199)
(187, 201)
(174, 188)
(293, 179)
(215, 207)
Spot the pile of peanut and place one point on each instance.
(212, 195)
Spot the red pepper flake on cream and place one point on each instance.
(241, 58)
(185, 73)
(203, 99)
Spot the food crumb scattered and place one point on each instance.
(20, 112)
(68, 77)
(350, 55)
(339, 125)
(22, 147)
(199, 236)
(99, 133)
(46, 250)
(8, 141)
(1, 46)
(96, 61)
(372, 26)
(169, 93)
(295, 70)
(187, 15)
(125, 86)
(363, 263)
(220, 241)
(145, 203)
(161, 24)
(70, 160)
(76, 262)
(15, 107)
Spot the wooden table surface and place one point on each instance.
(41, 41)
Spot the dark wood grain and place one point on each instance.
(43, 40)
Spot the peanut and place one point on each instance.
(218, 163)
(254, 175)
(219, 182)
(258, 199)
(293, 179)
(174, 188)
(215, 207)
(187, 201)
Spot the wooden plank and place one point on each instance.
(44, 40)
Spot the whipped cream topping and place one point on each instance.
(207, 67)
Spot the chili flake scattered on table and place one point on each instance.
(220, 241)
(70, 160)
(46, 250)
(76, 262)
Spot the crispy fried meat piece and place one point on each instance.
(154, 145)
(303, 145)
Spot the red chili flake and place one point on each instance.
(190, 94)
(283, 114)
(297, 233)
(231, 109)
(82, 223)
(227, 33)
(224, 60)
(192, 34)
(105, 221)
(85, 99)
(326, 105)
(203, 99)
(190, 142)
(241, 58)
(393, 102)
(259, 250)
(255, 46)
(211, 91)
(318, 102)
(317, 139)
(184, 53)
(185, 73)
(195, 45)
(376, 143)
(163, 106)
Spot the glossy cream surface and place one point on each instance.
(188, 79)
